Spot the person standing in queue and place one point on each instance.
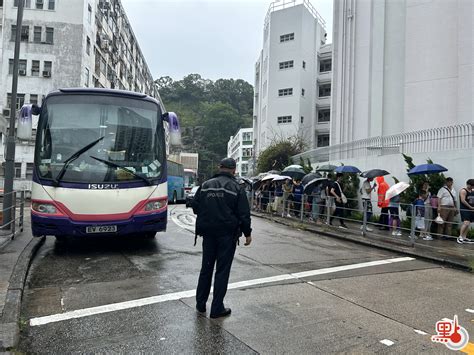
(223, 214)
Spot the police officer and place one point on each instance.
(223, 214)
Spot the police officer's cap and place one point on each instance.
(228, 163)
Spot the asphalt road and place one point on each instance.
(128, 296)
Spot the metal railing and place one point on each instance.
(430, 140)
(17, 213)
(391, 222)
(284, 4)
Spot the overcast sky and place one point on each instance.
(214, 38)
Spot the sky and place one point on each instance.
(213, 38)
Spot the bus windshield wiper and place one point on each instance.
(112, 164)
(72, 158)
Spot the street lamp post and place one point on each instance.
(10, 146)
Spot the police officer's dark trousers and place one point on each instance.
(217, 250)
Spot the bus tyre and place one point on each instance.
(148, 235)
(175, 198)
(60, 238)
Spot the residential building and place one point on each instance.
(73, 43)
(403, 74)
(189, 160)
(292, 77)
(240, 147)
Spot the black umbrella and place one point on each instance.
(245, 180)
(274, 172)
(310, 186)
(327, 168)
(370, 174)
(294, 171)
(308, 177)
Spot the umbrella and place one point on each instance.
(245, 180)
(427, 169)
(370, 174)
(308, 177)
(396, 189)
(347, 169)
(328, 168)
(281, 177)
(269, 177)
(310, 186)
(294, 171)
(274, 172)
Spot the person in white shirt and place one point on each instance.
(447, 207)
(366, 194)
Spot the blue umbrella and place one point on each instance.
(427, 169)
(347, 169)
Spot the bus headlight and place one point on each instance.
(155, 205)
(46, 208)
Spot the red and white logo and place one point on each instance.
(451, 334)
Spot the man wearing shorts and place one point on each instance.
(466, 198)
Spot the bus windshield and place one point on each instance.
(130, 139)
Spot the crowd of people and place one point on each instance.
(327, 202)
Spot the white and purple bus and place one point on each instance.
(100, 164)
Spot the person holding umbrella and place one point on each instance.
(287, 188)
(466, 198)
(297, 196)
(366, 191)
(338, 193)
(383, 203)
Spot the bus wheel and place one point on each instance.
(175, 198)
(60, 238)
(148, 235)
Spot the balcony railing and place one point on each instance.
(430, 140)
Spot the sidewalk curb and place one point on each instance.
(407, 250)
(9, 326)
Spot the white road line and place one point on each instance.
(191, 293)
(387, 342)
(469, 310)
(420, 332)
(181, 224)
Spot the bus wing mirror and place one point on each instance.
(25, 122)
(174, 129)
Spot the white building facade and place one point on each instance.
(240, 147)
(290, 90)
(65, 43)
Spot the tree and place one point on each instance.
(306, 167)
(278, 155)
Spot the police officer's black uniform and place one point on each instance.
(223, 214)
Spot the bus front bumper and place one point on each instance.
(64, 226)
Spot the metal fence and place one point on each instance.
(395, 222)
(430, 140)
(17, 214)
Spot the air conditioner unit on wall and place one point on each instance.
(46, 73)
(6, 112)
(22, 72)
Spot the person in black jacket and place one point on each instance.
(223, 214)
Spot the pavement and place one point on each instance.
(16, 255)
(445, 251)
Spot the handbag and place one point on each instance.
(420, 223)
(439, 220)
(343, 197)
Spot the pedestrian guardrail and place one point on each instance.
(15, 223)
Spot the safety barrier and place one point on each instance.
(17, 214)
(417, 225)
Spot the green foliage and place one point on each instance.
(436, 181)
(306, 167)
(210, 113)
(278, 155)
(350, 183)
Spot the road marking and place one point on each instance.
(420, 332)
(387, 342)
(180, 224)
(469, 310)
(80, 313)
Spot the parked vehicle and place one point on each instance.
(190, 196)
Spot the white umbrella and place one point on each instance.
(281, 177)
(269, 177)
(396, 189)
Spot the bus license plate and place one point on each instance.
(101, 229)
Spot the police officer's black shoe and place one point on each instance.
(225, 313)
(201, 309)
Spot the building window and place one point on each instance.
(48, 68)
(37, 34)
(35, 67)
(324, 90)
(12, 38)
(10, 66)
(22, 67)
(324, 115)
(302, 92)
(287, 37)
(49, 35)
(304, 64)
(29, 171)
(323, 140)
(247, 138)
(286, 65)
(51, 4)
(39, 4)
(284, 119)
(1, 3)
(285, 92)
(20, 100)
(86, 77)
(25, 33)
(33, 99)
(17, 170)
(89, 13)
(302, 119)
(103, 66)
(88, 46)
(325, 65)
